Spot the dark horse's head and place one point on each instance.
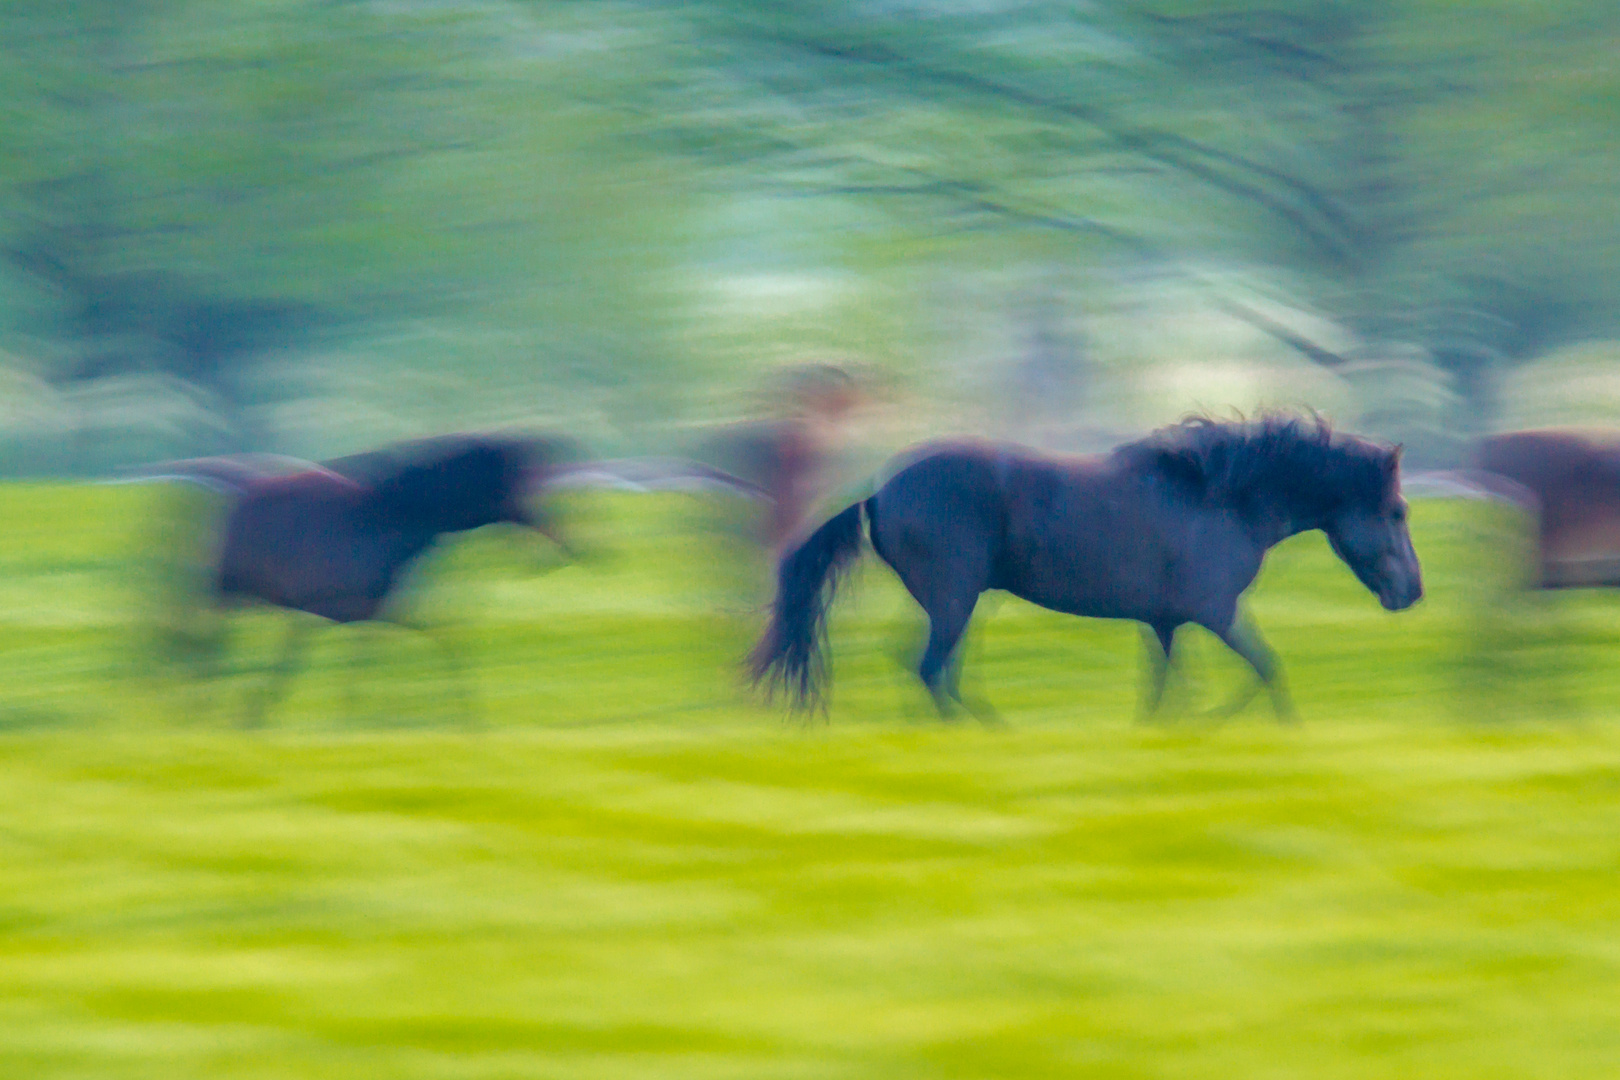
(459, 482)
(1301, 474)
(1372, 538)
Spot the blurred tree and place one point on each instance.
(1452, 158)
(191, 190)
(462, 211)
(1422, 179)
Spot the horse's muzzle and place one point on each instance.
(1399, 597)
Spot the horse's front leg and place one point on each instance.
(1242, 638)
(976, 705)
(275, 685)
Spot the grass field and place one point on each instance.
(627, 868)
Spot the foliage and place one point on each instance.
(307, 225)
(1421, 180)
(197, 189)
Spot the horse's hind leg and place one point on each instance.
(948, 617)
(276, 685)
(1242, 638)
(1158, 639)
(944, 566)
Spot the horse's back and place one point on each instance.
(1551, 458)
(1000, 485)
(955, 464)
(1027, 520)
(1089, 536)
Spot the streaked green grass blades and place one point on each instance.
(631, 869)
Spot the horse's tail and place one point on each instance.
(178, 541)
(791, 655)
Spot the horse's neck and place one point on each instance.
(1275, 518)
(418, 527)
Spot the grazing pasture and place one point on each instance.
(632, 869)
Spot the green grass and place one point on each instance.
(631, 869)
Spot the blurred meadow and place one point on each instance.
(629, 867)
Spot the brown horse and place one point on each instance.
(335, 540)
(1570, 480)
(1167, 531)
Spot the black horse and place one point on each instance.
(1167, 531)
(334, 540)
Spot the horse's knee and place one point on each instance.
(931, 669)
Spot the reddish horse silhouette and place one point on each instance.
(1167, 531)
(1570, 480)
(784, 461)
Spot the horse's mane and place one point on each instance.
(1278, 458)
(388, 464)
(451, 478)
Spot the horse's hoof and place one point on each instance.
(989, 718)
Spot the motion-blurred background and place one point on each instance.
(312, 227)
(315, 227)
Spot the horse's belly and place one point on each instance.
(1091, 607)
(1190, 571)
(1098, 588)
